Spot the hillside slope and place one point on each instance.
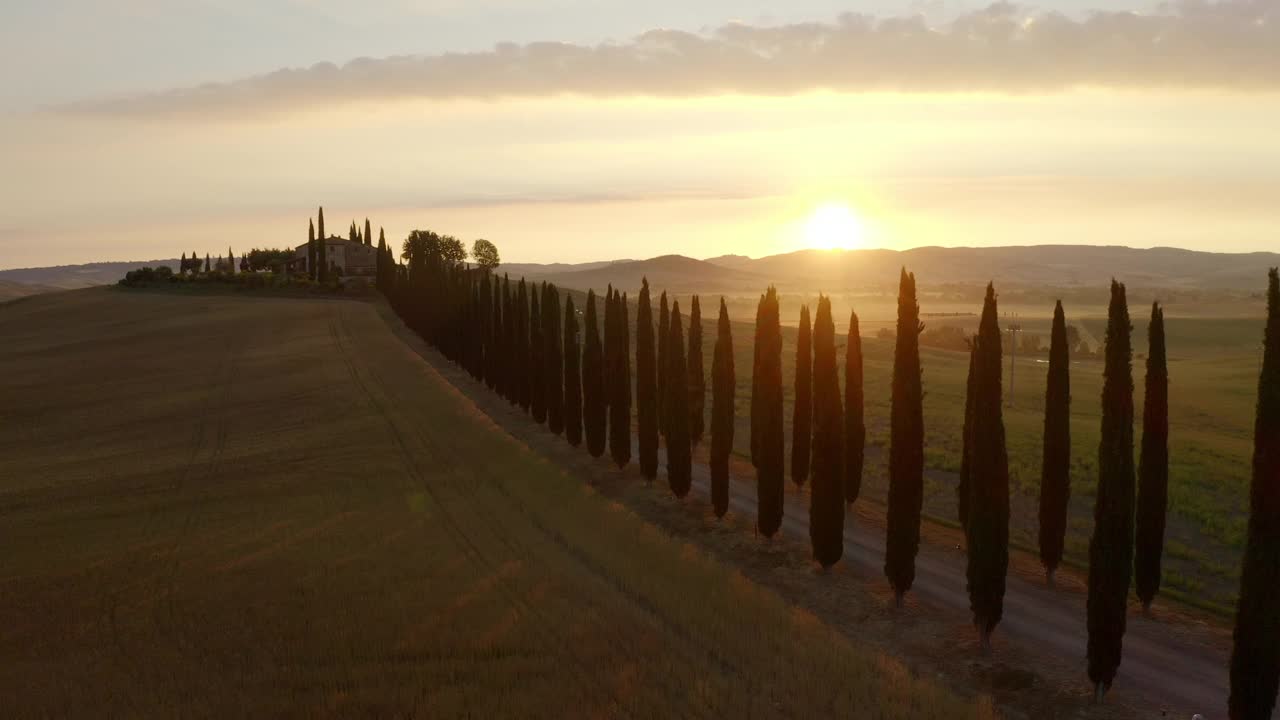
(288, 512)
(1050, 265)
(674, 273)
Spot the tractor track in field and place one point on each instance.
(411, 463)
(214, 404)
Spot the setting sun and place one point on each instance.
(834, 227)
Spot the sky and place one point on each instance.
(568, 130)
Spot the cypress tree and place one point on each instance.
(537, 358)
(664, 326)
(572, 376)
(802, 408)
(1153, 466)
(553, 360)
(826, 497)
(987, 528)
(766, 416)
(368, 233)
(322, 251)
(906, 446)
(966, 435)
(593, 408)
(509, 357)
(1111, 547)
(697, 376)
(723, 389)
(1255, 657)
(484, 331)
(646, 386)
(524, 359)
(311, 249)
(679, 458)
(855, 431)
(610, 345)
(208, 266)
(182, 266)
(1055, 473)
(620, 405)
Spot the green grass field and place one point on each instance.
(226, 506)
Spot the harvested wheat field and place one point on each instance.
(227, 506)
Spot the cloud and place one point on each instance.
(1234, 44)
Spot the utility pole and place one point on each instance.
(1014, 327)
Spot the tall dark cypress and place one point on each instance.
(368, 233)
(620, 403)
(1255, 657)
(697, 376)
(320, 255)
(496, 352)
(537, 357)
(484, 330)
(1153, 466)
(966, 435)
(802, 407)
(724, 384)
(593, 389)
(664, 323)
(1111, 547)
(679, 458)
(311, 249)
(572, 375)
(1055, 472)
(646, 386)
(322, 251)
(553, 361)
(524, 358)
(610, 345)
(855, 429)
(826, 496)
(906, 445)
(766, 417)
(987, 528)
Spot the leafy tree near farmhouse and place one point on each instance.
(485, 254)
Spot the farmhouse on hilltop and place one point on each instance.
(349, 257)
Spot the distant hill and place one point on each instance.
(70, 277)
(530, 270)
(674, 273)
(1049, 265)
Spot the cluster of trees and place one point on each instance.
(519, 340)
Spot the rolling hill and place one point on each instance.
(674, 273)
(1048, 265)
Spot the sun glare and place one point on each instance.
(834, 227)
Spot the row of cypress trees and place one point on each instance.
(518, 341)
